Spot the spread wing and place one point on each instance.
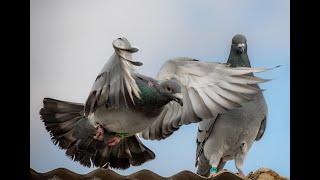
(165, 124)
(208, 89)
(114, 83)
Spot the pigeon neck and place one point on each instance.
(152, 97)
(238, 60)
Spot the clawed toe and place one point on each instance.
(212, 175)
(99, 133)
(241, 174)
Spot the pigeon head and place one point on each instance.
(239, 44)
(172, 90)
(238, 56)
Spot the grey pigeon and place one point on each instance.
(122, 103)
(230, 135)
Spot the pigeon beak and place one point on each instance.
(178, 98)
(241, 50)
(241, 47)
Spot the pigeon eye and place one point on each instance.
(169, 89)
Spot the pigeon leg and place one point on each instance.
(214, 161)
(100, 133)
(114, 141)
(240, 156)
(203, 166)
(221, 164)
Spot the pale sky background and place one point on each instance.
(70, 40)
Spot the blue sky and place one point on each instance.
(71, 40)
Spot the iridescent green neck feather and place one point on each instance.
(151, 96)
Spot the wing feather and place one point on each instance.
(210, 88)
(198, 105)
(167, 122)
(112, 85)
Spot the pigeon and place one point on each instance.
(103, 132)
(229, 136)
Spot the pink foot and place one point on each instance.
(114, 141)
(99, 133)
(150, 84)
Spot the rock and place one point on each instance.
(265, 174)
